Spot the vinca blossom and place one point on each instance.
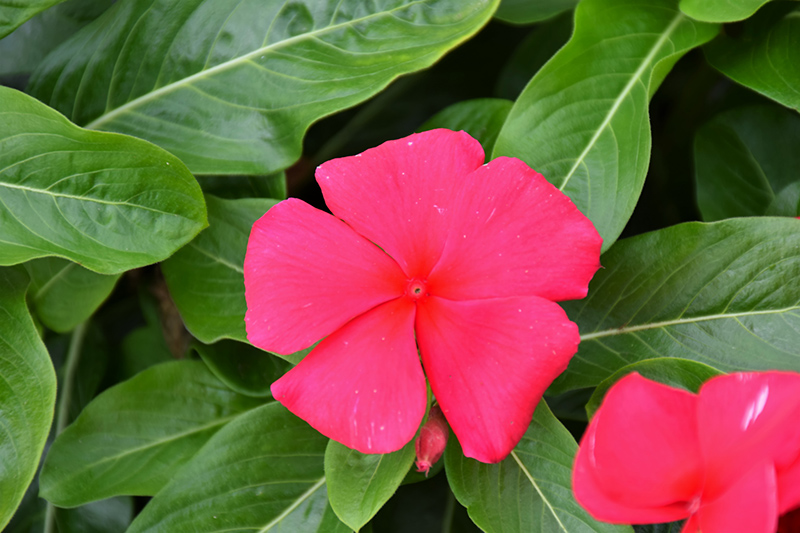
(726, 459)
(431, 260)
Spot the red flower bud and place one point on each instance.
(432, 440)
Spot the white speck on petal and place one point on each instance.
(410, 143)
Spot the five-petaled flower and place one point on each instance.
(431, 250)
(727, 458)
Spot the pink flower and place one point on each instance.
(428, 248)
(727, 459)
(431, 441)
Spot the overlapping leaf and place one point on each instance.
(482, 118)
(263, 472)
(243, 367)
(64, 294)
(743, 159)
(14, 13)
(230, 87)
(583, 122)
(725, 294)
(134, 437)
(720, 10)
(359, 484)
(106, 201)
(27, 393)
(530, 490)
(206, 277)
(527, 12)
(764, 55)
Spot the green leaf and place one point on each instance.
(109, 202)
(206, 277)
(724, 294)
(532, 53)
(764, 55)
(359, 484)
(108, 516)
(133, 437)
(27, 393)
(482, 118)
(582, 121)
(530, 490)
(231, 87)
(528, 12)
(64, 294)
(242, 367)
(680, 373)
(13, 13)
(24, 49)
(743, 159)
(263, 472)
(232, 187)
(786, 202)
(720, 10)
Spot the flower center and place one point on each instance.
(417, 289)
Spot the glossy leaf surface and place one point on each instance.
(482, 118)
(671, 371)
(765, 53)
(230, 87)
(527, 12)
(724, 294)
(243, 367)
(27, 393)
(583, 121)
(360, 484)
(720, 10)
(263, 472)
(206, 277)
(530, 490)
(133, 437)
(64, 294)
(743, 159)
(14, 13)
(106, 201)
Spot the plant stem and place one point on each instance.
(62, 418)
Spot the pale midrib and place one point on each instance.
(51, 282)
(303, 497)
(217, 259)
(98, 122)
(678, 321)
(621, 98)
(536, 486)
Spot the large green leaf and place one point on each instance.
(27, 393)
(24, 49)
(64, 294)
(743, 159)
(263, 472)
(582, 121)
(680, 373)
(530, 490)
(359, 484)
(109, 202)
(229, 86)
(764, 55)
(134, 437)
(482, 118)
(720, 10)
(725, 294)
(527, 11)
(13, 13)
(206, 277)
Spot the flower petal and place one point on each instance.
(363, 385)
(746, 419)
(748, 505)
(399, 194)
(489, 361)
(593, 497)
(307, 273)
(515, 234)
(646, 451)
(789, 486)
